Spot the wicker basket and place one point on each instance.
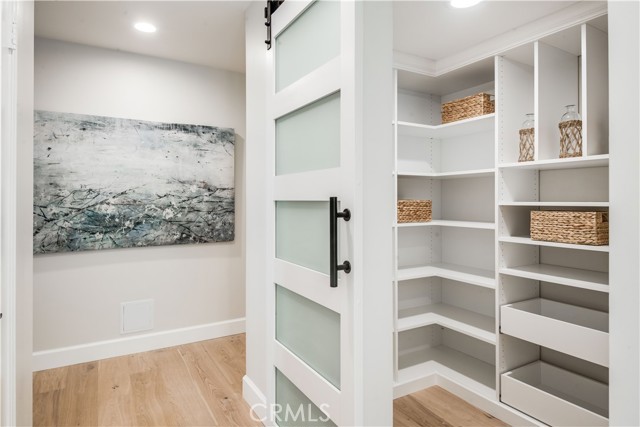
(414, 211)
(581, 228)
(465, 108)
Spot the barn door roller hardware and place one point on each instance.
(272, 6)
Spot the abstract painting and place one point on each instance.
(104, 182)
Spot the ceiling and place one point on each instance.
(211, 33)
(208, 33)
(435, 30)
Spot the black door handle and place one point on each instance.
(334, 267)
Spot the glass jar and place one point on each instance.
(529, 121)
(527, 138)
(570, 133)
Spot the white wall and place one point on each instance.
(624, 219)
(77, 295)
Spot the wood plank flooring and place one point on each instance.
(435, 406)
(198, 384)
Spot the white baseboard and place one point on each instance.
(66, 356)
(490, 406)
(256, 399)
(416, 385)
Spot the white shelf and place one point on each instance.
(556, 396)
(559, 204)
(448, 130)
(475, 374)
(585, 279)
(457, 319)
(473, 173)
(577, 331)
(471, 275)
(570, 163)
(528, 241)
(446, 223)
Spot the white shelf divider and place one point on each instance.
(529, 241)
(472, 173)
(470, 126)
(575, 277)
(600, 160)
(457, 319)
(447, 223)
(475, 374)
(471, 275)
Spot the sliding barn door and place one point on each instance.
(326, 296)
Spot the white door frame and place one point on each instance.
(8, 133)
(16, 201)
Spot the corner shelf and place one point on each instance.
(477, 375)
(529, 241)
(600, 160)
(470, 126)
(457, 319)
(575, 277)
(460, 273)
(447, 223)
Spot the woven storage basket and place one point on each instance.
(581, 228)
(465, 108)
(414, 211)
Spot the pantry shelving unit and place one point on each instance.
(553, 297)
(520, 323)
(445, 277)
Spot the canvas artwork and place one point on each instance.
(104, 182)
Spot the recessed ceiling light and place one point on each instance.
(461, 4)
(145, 27)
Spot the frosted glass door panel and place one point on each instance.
(311, 331)
(309, 42)
(302, 234)
(309, 138)
(291, 399)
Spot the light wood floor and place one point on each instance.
(197, 384)
(435, 406)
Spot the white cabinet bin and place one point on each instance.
(555, 396)
(577, 331)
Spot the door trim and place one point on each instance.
(8, 201)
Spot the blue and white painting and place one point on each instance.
(104, 182)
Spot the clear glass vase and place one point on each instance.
(527, 138)
(570, 133)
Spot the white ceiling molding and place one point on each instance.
(570, 16)
(414, 63)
